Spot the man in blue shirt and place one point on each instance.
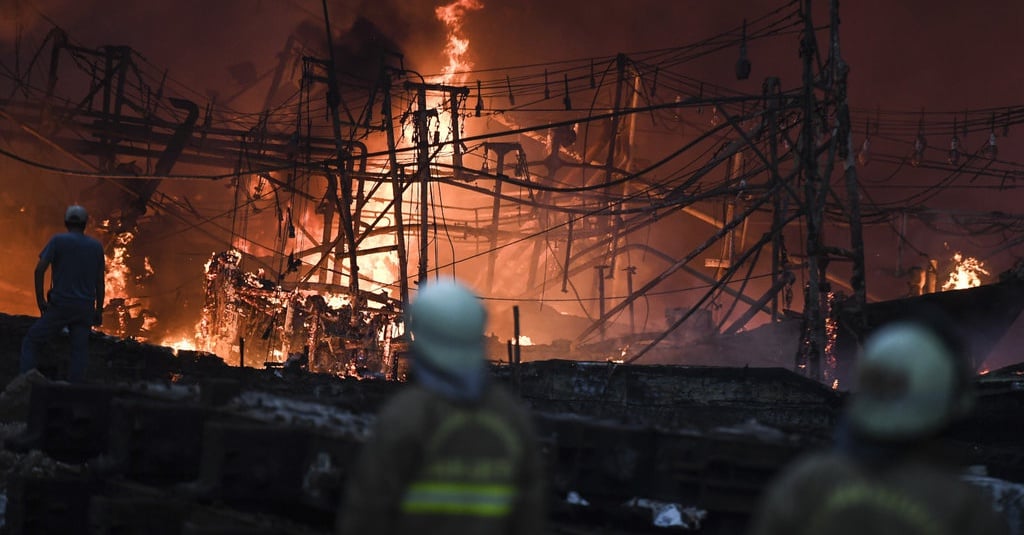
(75, 299)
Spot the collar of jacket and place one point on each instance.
(460, 388)
(868, 451)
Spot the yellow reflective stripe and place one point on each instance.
(487, 489)
(458, 499)
(851, 495)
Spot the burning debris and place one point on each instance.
(830, 306)
(966, 273)
(254, 321)
(127, 314)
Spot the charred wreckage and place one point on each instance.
(249, 315)
(250, 424)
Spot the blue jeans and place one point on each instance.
(78, 319)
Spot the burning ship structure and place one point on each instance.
(581, 198)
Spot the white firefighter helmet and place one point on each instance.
(76, 214)
(910, 384)
(447, 323)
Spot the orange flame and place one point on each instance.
(380, 268)
(966, 273)
(181, 343)
(458, 44)
(116, 276)
(120, 282)
(456, 51)
(377, 271)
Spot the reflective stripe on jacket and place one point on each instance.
(467, 499)
(832, 494)
(437, 467)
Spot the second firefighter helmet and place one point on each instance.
(913, 380)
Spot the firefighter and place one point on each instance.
(75, 298)
(453, 452)
(885, 474)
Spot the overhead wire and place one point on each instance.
(530, 85)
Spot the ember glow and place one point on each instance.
(253, 321)
(180, 343)
(967, 272)
(117, 275)
(335, 300)
(132, 316)
(831, 335)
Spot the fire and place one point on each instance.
(966, 273)
(377, 271)
(125, 275)
(525, 340)
(380, 268)
(456, 51)
(829, 360)
(117, 275)
(181, 343)
(334, 300)
(132, 316)
(458, 44)
(250, 320)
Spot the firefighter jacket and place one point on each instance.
(438, 467)
(831, 493)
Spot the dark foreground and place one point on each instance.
(165, 444)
